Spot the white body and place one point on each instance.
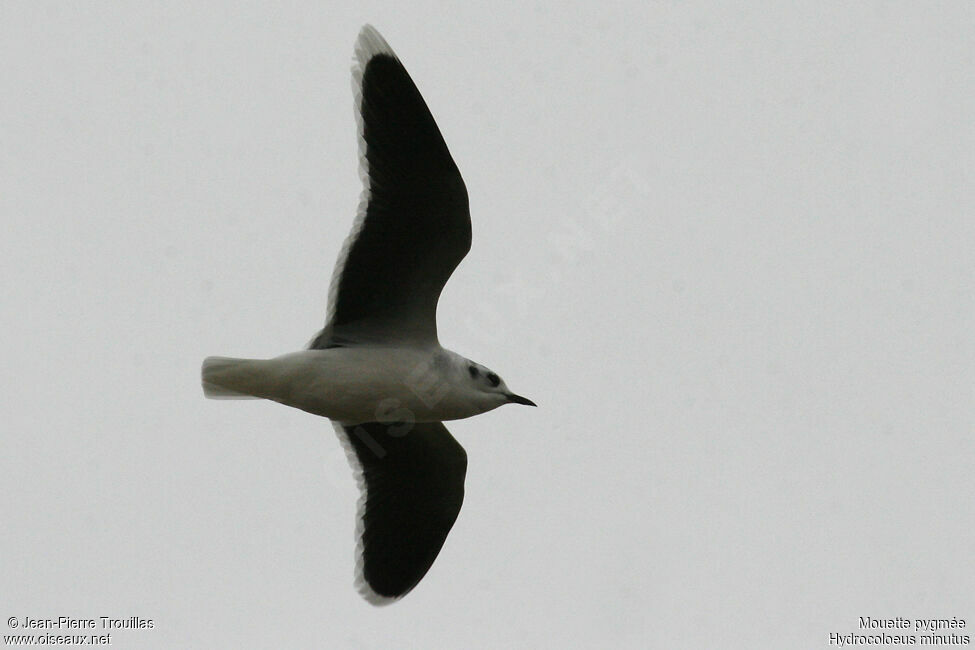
(357, 384)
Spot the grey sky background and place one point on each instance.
(726, 248)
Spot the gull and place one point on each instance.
(377, 369)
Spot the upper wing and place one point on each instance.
(413, 226)
(412, 483)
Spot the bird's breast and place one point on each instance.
(359, 384)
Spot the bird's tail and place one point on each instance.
(226, 378)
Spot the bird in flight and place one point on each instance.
(377, 369)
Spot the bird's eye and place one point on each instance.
(472, 370)
(493, 379)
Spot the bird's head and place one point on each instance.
(486, 385)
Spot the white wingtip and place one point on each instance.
(370, 43)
